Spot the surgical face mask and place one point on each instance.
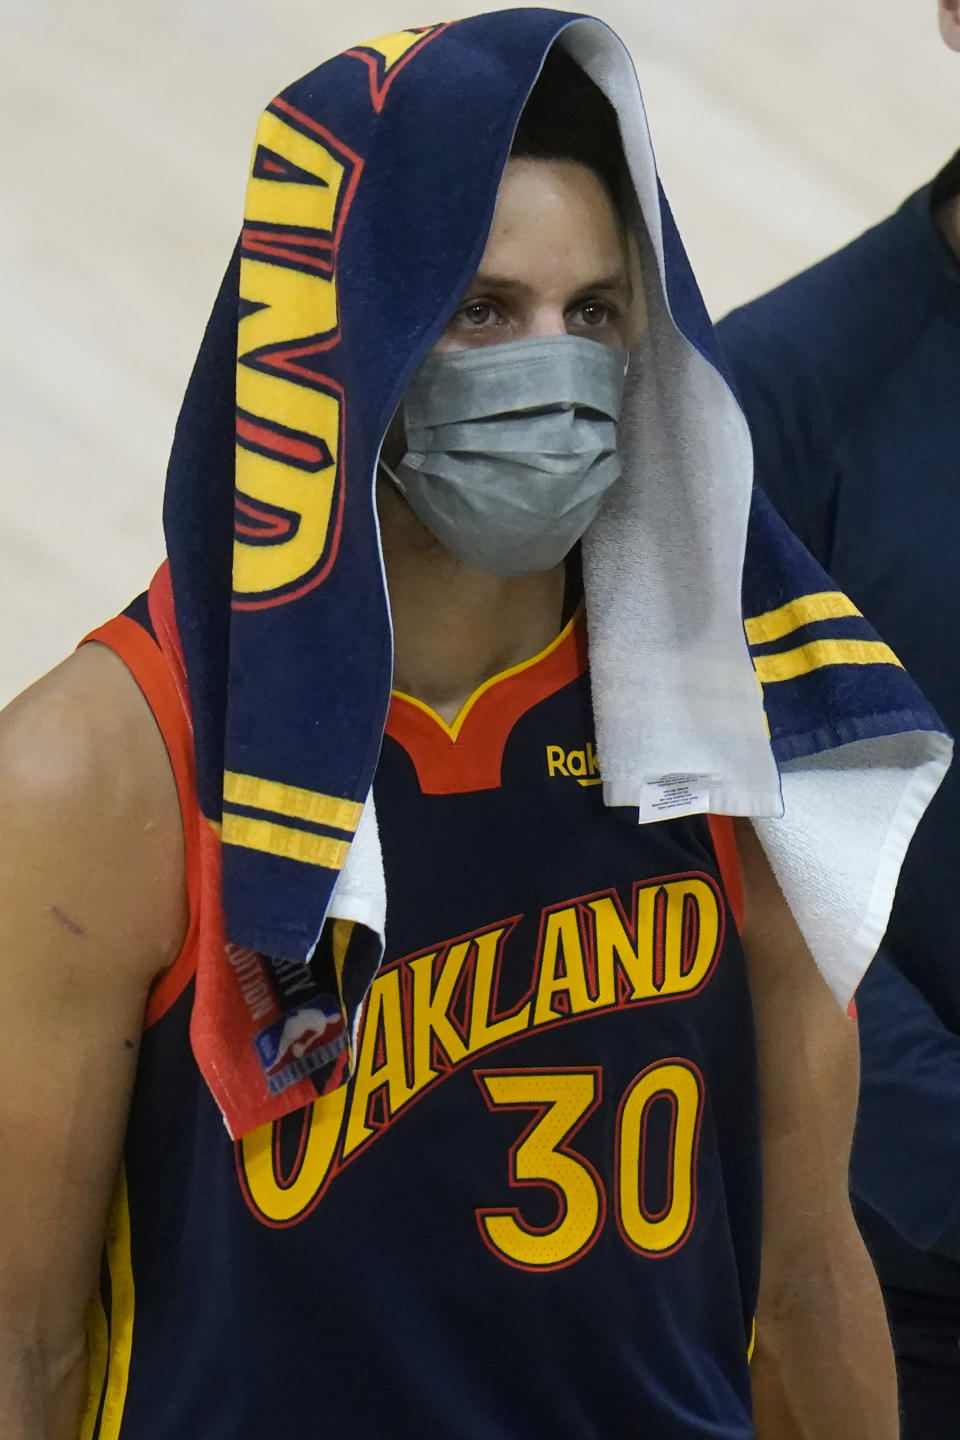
(511, 448)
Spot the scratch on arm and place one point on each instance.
(65, 920)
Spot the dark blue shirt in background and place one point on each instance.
(850, 378)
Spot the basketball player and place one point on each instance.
(849, 376)
(535, 1209)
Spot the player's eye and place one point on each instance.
(593, 312)
(477, 313)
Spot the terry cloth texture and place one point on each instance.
(371, 190)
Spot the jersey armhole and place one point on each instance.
(145, 660)
(728, 862)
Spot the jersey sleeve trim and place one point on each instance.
(146, 663)
(728, 861)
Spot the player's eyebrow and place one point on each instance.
(616, 280)
(620, 281)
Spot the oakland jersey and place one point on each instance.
(534, 1210)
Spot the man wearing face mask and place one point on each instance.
(503, 457)
(452, 1098)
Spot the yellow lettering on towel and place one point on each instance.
(290, 417)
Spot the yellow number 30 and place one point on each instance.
(543, 1157)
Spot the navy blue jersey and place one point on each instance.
(850, 375)
(534, 1210)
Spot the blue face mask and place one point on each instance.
(511, 448)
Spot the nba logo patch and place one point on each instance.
(302, 1042)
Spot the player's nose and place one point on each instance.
(543, 321)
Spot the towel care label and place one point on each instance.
(670, 796)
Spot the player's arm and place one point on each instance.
(822, 1364)
(91, 909)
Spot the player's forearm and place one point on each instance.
(21, 1393)
(823, 1364)
(39, 1400)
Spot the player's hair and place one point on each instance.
(568, 117)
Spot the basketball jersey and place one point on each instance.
(534, 1210)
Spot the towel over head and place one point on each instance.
(728, 673)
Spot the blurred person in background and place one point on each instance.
(850, 377)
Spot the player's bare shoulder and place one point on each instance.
(92, 842)
(91, 909)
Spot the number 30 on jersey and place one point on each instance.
(544, 1156)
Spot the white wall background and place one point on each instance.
(782, 130)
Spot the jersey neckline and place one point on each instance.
(467, 755)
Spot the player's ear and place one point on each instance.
(950, 22)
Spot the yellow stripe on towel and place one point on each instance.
(290, 800)
(805, 610)
(800, 661)
(285, 841)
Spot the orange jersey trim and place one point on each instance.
(468, 755)
(728, 862)
(146, 662)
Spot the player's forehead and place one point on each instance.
(554, 219)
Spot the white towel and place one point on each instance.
(681, 725)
